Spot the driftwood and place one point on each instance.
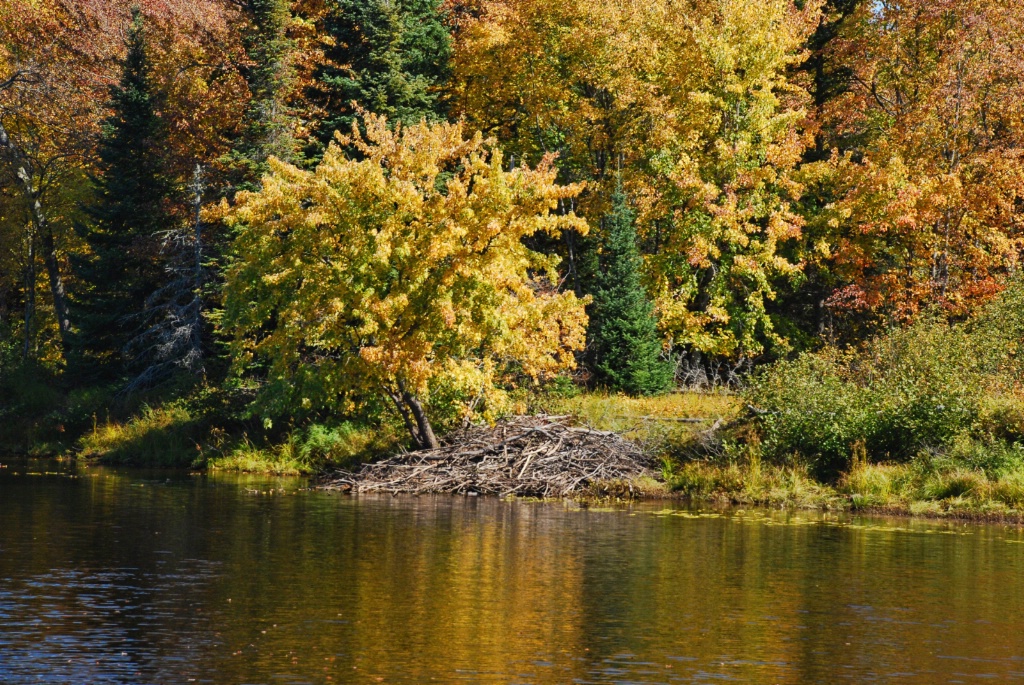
(527, 456)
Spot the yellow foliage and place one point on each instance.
(695, 104)
(402, 269)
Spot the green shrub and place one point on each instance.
(927, 388)
(341, 445)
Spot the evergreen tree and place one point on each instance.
(624, 343)
(388, 56)
(171, 341)
(129, 209)
(268, 124)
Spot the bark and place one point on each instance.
(60, 296)
(45, 232)
(415, 417)
(427, 438)
(30, 295)
(407, 417)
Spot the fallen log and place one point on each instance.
(528, 456)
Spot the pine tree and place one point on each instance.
(389, 57)
(624, 344)
(129, 209)
(268, 126)
(172, 339)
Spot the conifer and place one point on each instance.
(268, 125)
(624, 344)
(129, 209)
(389, 57)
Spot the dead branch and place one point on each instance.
(528, 456)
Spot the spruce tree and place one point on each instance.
(624, 344)
(124, 218)
(171, 341)
(268, 124)
(389, 57)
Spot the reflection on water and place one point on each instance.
(133, 577)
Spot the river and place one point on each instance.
(114, 576)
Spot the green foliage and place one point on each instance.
(623, 337)
(950, 389)
(389, 57)
(308, 450)
(268, 125)
(121, 269)
(28, 389)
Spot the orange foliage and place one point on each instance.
(931, 183)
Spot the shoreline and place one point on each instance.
(644, 491)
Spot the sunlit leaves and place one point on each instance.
(929, 190)
(403, 270)
(693, 105)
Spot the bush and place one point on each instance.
(939, 388)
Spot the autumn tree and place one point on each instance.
(57, 60)
(726, 228)
(47, 108)
(132, 193)
(926, 174)
(402, 273)
(389, 57)
(700, 109)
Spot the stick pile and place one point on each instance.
(527, 456)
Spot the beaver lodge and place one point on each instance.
(526, 456)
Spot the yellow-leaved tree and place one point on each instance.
(694, 107)
(402, 272)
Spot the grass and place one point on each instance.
(177, 435)
(162, 437)
(918, 488)
(250, 459)
(750, 484)
(648, 420)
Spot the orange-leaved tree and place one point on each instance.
(927, 173)
(403, 273)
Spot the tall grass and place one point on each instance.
(177, 435)
(163, 437)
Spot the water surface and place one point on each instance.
(145, 577)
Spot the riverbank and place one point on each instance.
(913, 489)
(696, 460)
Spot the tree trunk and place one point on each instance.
(427, 438)
(60, 296)
(30, 295)
(407, 417)
(416, 421)
(43, 230)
